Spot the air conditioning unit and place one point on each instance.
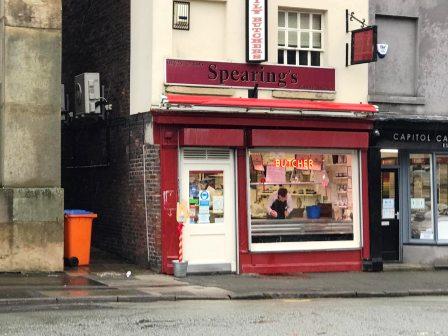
(87, 93)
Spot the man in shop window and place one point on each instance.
(279, 204)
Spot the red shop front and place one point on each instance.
(272, 186)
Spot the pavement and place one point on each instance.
(113, 280)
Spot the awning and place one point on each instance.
(293, 105)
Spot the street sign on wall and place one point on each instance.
(256, 31)
(226, 74)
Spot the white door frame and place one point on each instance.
(229, 229)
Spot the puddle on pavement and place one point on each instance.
(13, 294)
(46, 280)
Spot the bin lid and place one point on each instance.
(79, 213)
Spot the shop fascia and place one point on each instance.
(421, 138)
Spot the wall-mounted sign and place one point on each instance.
(256, 31)
(222, 74)
(364, 45)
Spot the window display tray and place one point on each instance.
(282, 228)
(284, 183)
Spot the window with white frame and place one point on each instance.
(300, 38)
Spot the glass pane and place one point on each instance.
(442, 196)
(291, 57)
(317, 43)
(420, 189)
(281, 38)
(304, 40)
(303, 57)
(281, 56)
(206, 197)
(300, 196)
(292, 39)
(388, 191)
(304, 21)
(315, 58)
(292, 20)
(281, 19)
(389, 157)
(317, 22)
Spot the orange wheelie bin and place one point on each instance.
(77, 236)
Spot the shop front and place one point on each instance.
(277, 192)
(412, 201)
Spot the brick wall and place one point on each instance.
(96, 37)
(112, 185)
(102, 161)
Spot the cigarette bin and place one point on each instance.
(77, 236)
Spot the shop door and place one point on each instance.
(208, 186)
(390, 225)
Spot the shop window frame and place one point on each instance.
(407, 209)
(355, 244)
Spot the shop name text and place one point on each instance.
(254, 76)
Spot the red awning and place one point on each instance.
(273, 104)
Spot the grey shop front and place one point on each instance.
(409, 191)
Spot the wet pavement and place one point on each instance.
(111, 280)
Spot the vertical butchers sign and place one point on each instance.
(256, 31)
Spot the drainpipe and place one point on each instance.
(145, 198)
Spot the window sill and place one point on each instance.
(390, 99)
(304, 246)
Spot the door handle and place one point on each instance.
(397, 214)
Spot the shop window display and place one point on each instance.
(301, 196)
(206, 208)
(421, 196)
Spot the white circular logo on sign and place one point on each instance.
(204, 195)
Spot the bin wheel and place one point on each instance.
(71, 262)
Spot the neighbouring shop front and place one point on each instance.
(412, 201)
(284, 193)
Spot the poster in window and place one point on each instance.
(275, 174)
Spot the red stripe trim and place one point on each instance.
(291, 104)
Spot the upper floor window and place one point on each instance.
(300, 37)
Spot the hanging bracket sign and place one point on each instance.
(256, 31)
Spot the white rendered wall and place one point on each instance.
(218, 33)
(141, 55)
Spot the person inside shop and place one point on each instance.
(279, 204)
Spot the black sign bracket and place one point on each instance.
(350, 17)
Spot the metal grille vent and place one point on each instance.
(206, 154)
(181, 15)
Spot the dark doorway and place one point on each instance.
(390, 224)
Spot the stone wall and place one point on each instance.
(31, 200)
(411, 80)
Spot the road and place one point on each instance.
(386, 316)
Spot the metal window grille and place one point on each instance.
(181, 15)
